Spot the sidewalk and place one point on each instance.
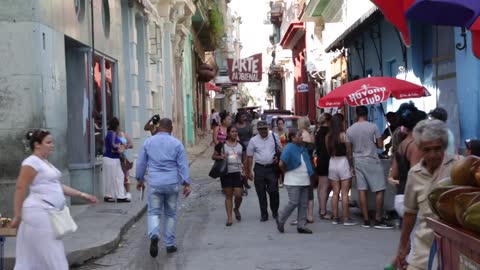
(101, 226)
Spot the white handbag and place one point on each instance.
(62, 222)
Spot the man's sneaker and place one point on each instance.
(366, 224)
(349, 222)
(154, 246)
(382, 224)
(337, 221)
(171, 249)
(280, 226)
(294, 222)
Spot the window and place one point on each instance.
(102, 101)
(79, 9)
(91, 102)
(106, 17)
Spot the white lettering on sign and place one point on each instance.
(368, 95)
(245, 65)
(246, 69)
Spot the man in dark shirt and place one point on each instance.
(393, 124)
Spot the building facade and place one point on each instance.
(73, 65)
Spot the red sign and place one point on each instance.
(245, 70)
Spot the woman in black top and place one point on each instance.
(323, 159)
(340, 169)
(407, 154)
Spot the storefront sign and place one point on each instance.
(368, 95)
(302, 88)
(245, 70)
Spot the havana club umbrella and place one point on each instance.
(371, 90)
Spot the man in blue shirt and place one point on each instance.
(167, 164)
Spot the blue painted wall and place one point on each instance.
(418, 71)
(468, 85)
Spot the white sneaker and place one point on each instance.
(293, 223)
(349, 222)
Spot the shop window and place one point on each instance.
(102, 101)
(91, 102)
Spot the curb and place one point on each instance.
(79, 257)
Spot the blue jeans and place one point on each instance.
(162, 199)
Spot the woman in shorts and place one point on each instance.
(234, 153)
(339, 169)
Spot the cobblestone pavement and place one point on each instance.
(206, 244)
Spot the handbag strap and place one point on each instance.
(275, 141)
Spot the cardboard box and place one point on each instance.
(8, 232)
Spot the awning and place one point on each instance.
(365, 20)
(224, 81)
(294, 32)
(212, 87)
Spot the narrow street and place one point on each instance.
(205, 243)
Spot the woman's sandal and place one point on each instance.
(108, 199)
(237, 215)
(326, 216)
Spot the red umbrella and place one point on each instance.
(394, 12)
(475, 28)
(371, 90)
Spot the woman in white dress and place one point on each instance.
(112, 173)
(37, 246)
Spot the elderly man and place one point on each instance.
(264, 147)
(167, 164)
(431, 137)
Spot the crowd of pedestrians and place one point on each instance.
(297, 159)
(421, 149)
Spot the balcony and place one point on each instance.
(208, 24)
(276, 11)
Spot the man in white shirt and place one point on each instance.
(265, 148)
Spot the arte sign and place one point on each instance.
(368, 95)
(246, 69)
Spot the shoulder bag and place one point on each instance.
(276, 165)
(220, 167)
(126, 164)
(62, 221)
